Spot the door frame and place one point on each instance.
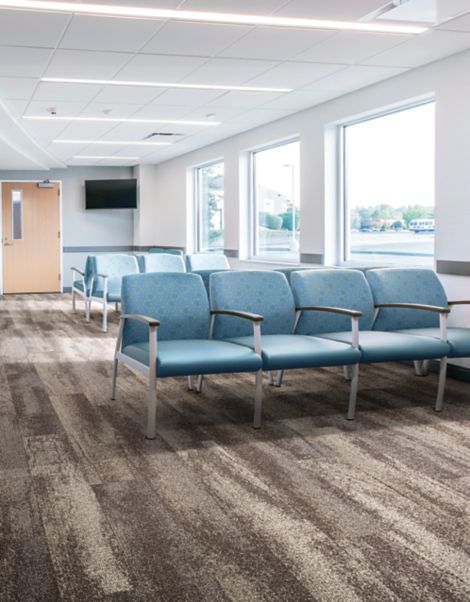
(36, 181)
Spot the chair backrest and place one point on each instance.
(289, 271)
(206, 261)
(206, 276)
(166, 251)
(178, 300)
(406, 285)
(162, 262)
(262, 292)
(334, 288)
(115, 266)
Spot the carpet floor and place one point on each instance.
(309, 508)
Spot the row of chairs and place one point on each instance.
(255, 321)
(101, 280)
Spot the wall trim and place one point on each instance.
(145, 248)
(234, 253)
(454, 268)
(100, 249)
(316, 258)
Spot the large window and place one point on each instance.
(276, 202)
(209, 181)
(389, 188)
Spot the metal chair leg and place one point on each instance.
(270, 378)
(418, 367)
(347, 372)
(190, 383)
(200, 382)
(74, 305)
(150, 432)
(258, 400)
(353, 391)
(280, 376)
(116, 306)
(87, 310)
(442, 385)
(105, 317)
(425, 368)
(115, 369)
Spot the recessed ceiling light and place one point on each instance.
(205, 17)
(111, 142)
(115, 82)
(118, 120)
(110, 157)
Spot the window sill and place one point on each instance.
(268, 261)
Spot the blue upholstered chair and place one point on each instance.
(161, 262)
(177, 308)
(206, 261)
(349, 289)
(81, 285)
(166, 251)
(268, 293)
(107, 273)
(412, 301)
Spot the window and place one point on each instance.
(389, 188)
(210, 207)
(276, 202)
(16, 214)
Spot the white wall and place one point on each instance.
(446, 80)
(81, 228)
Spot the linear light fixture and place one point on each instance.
(116, 82)
(118, 120)
(205, 17)
(110, 157)
(112, 142)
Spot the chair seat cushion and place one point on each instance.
(458, 339)
(284, 351)
(196, 356)
(378, 346)
(78, 285)
(112, 297)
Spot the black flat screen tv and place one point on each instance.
(111, 194)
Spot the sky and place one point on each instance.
(391, 159)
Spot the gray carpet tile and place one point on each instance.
(309, 508)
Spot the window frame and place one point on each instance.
(19, 202)
(197, 171)
(253, 204)
(344, 252)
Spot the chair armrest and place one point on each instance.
(458, 303)
(141, 318)
(101, 276)
(82, 274)
(352, 313)
(434, 308)
(238, 314)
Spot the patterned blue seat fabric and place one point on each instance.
(349, 289)
(179, 302)
(166, 251)
(161, 262)
(78, 284)
(115, 267)
(415, 286)
(268, 293)
(206, 261)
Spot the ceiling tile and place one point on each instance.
(352, 78)
(198, 39)
(95, 33)
(228, 71)
(109, 109)
(262, 115)
(275, 43)
(58, 92)
(294, 74)
(63, 108)
(86, 130)
(23, 28)
(242, 99)
(16, 61)
(351, 47)
(17, 107)
(157, 111)
(337, 10)
(127, 95)
(296, 101)
(17, 87)
(187, 98)
(221, 114)
(86, 64)
(254, 7)
(425, 48)
(459, 24)
(152, 67)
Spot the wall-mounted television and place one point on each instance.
(111, 194)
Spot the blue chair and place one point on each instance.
(349, 289)
(81, 285)
(166, 251)
(268, 293)
(413, 301)
(206, 261)
(107, 273)
(177, 308)
(161, 262)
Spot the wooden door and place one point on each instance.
(31, 238)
